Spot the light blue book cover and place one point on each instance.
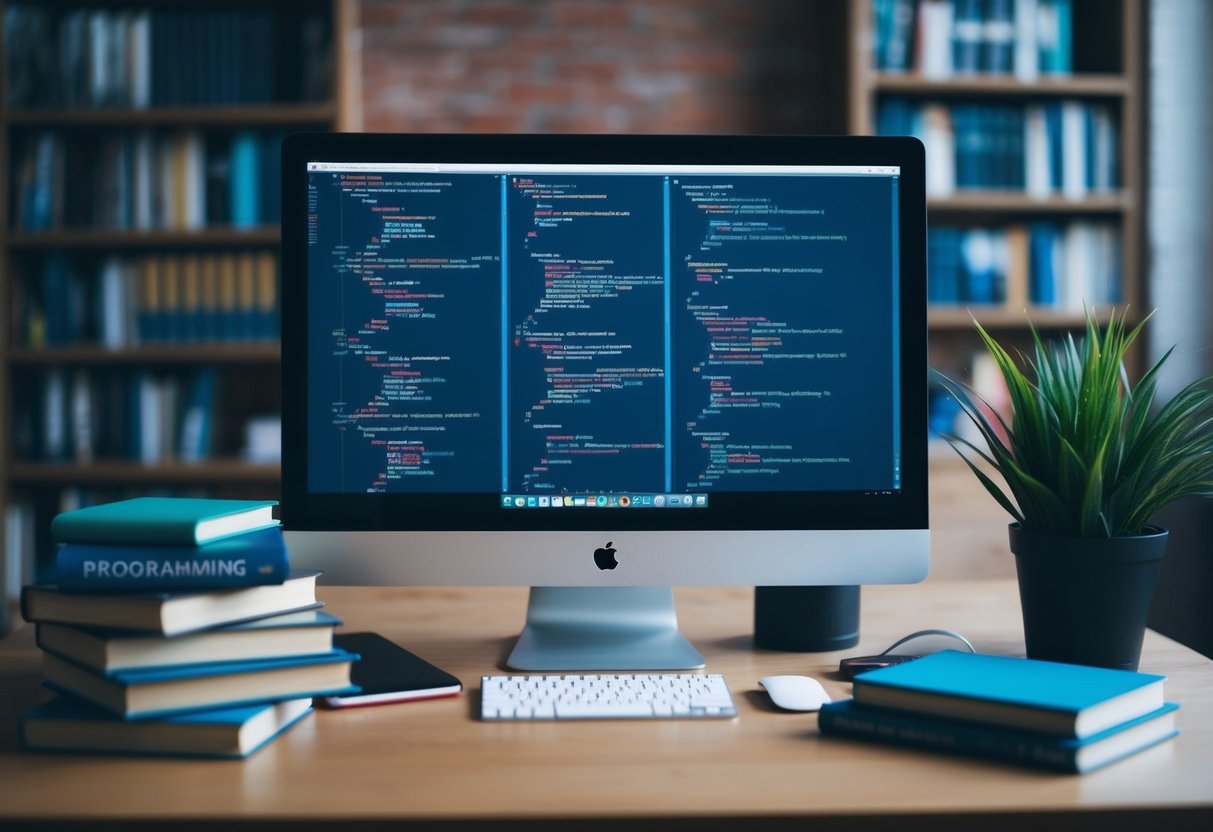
(1044, 696)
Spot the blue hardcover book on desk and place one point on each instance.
(228, 733)
(1046, 697)
(150, 692)
(847, 719)
(250, 559)
(162, 521)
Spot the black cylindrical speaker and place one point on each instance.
(806, 619)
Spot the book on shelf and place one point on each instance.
(1046, 264)
(846, 718)
(153, 692)
(249, 559)
(105, 651)
(1046, 697)
(164, 57)
(1068, 148)
(166, 521)
(139, 180)
(66, 724)
(169, 613)
(942, 38)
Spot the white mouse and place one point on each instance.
(795, 693)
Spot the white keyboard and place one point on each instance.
(606, 696)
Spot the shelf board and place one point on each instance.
(1001, 317)
(1110, 85)
(116, 472)
(104, 238)
(1019, 202)
(197, 353)
(235, 116)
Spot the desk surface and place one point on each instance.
(433, 761)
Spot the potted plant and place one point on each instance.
(1086, 460)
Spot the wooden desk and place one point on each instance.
(428, 763)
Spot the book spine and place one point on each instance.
(954, 738)
(86, 568)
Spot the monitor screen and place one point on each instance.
(609, 337)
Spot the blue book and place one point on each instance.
(302, 633)
(168, 521)
(230, 733)
(968, 34)
(153, 692)
(1045, 697)
(847, 719)
(251, 559)
(1042, 279)
(245, 177)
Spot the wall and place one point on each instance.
(609, 66)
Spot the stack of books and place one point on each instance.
(1043, 714)
(177, 627)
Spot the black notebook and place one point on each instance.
(387, 673)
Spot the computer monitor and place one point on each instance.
(601, 366)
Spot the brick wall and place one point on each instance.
(610, 66)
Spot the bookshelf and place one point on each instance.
(949, 72)
(170, 304)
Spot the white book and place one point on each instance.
(935, 38)
(939, 142)
(1027, 59)
(1074, 288)
(1073, 150)
(1037, 179)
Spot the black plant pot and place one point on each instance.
(1085, 600)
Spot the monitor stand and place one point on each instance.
(602, 628)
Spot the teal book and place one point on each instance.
(107, 651)
(228, 733)
(250, 559)
(1046, 697)
(162, 521)
(153, 692)
(169, 613)
(847, 719)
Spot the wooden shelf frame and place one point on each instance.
(107, 238)
(1090, 85)
(266, 115)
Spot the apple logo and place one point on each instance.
(605, 558)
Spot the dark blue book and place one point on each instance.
(251, 559)
(1046, 697)
(232, 733)
(943, 265)
(153, 692)
(847, 719)
(999, 36)
(1042, 279)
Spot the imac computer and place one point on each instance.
(601, 366)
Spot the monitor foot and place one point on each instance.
(602, 628)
